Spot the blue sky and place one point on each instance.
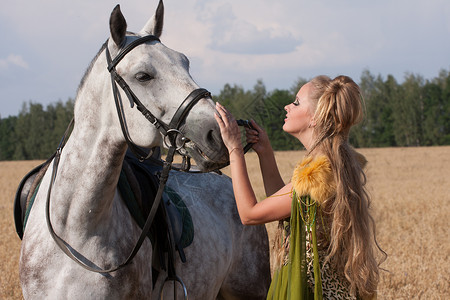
(47, 45)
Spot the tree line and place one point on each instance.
(35, 133)
(415, 112)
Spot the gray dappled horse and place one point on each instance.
(226, 260)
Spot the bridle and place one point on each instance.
(170, 131)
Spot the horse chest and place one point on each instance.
(46, 272)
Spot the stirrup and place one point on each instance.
(176, 279)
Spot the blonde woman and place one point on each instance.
(326, 243)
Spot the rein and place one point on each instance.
(63, 245)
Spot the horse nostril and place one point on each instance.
(210, 136)
(214, 138)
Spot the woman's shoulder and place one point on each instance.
(313, 176)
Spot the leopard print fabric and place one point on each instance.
(333, 287)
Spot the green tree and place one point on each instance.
(408, 112)
(433, 114)
(443, 118)
(376, 129)
(254, 105)
(38, 132)
(7, 137)
(297, 85)
(63, 116)
(234, 98)
(272, 120)
(35, 133)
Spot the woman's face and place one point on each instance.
(299, 114)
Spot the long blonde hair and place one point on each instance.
(352, 235)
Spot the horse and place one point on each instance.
(78, 200)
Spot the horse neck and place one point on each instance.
(92, 158)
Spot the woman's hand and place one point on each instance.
(258, 137)
(229, 129)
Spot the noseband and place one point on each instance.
(171, 130)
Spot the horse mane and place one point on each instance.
(89, 68)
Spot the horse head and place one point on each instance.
(157, 91)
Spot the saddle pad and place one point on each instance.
(129, 198)
(187, 235)
(30, 204)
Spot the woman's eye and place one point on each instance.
(296, 103)
(142, 77)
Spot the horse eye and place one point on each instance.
(142, 77)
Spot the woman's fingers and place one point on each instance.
(256, 126)
(218, 119)
(228, 127)
(250, 131)
(225, 115)
(252, 136)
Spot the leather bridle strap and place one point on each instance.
(171, 130)
(116, 78)
(183, 110)
(130, 47)
(187, 105)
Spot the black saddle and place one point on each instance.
(143, 178)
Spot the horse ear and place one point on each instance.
(117, 26)
(154, 26)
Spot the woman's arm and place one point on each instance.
(269, 169)
(250, 211)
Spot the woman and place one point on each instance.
(326, 248)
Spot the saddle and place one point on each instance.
(138, 183)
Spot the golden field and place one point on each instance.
(410, 189)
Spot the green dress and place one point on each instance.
(300, 273)
(290, 282)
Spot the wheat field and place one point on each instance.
(410, 190)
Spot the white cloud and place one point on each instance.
(230, 33)
(13, 60)
(245, 38)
